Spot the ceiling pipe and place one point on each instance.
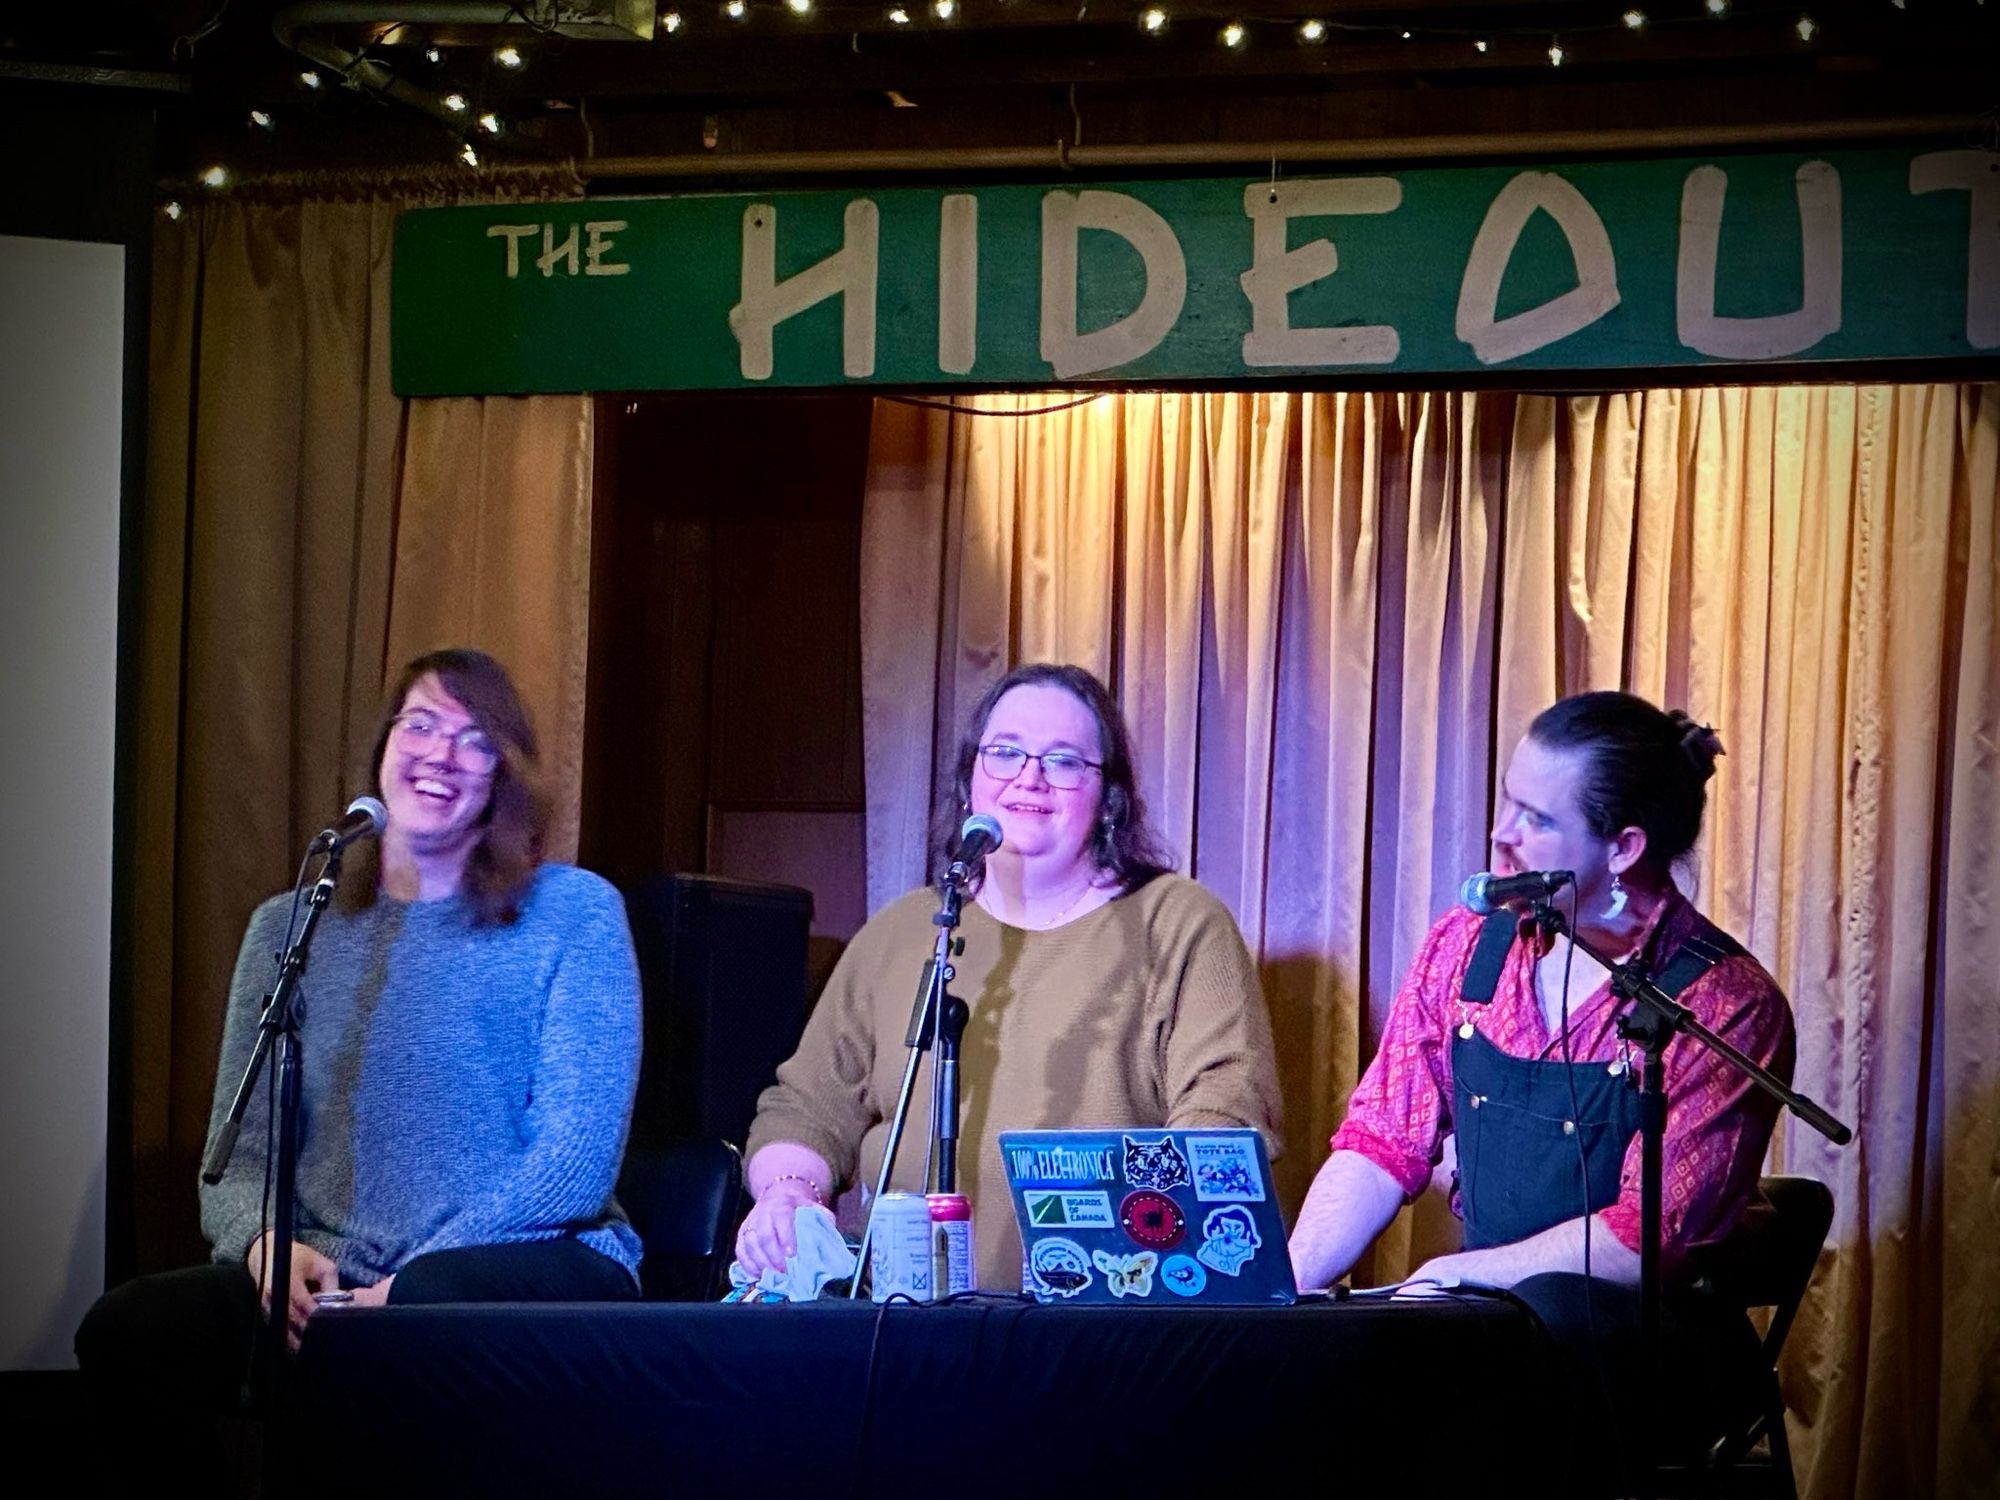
(1063, 157)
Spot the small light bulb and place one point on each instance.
(490, 123)
(455, 103)
(1406, 36)
(736, 10)
(174, 211)
(261, 119)
(1555, 54)
(1233, 35)
(1312, 31)
(467, 155)
(433, 55)
(310, 79)
(1634, 19)
(1807, 28)
(1153, 21)
(799, 7)
(510, 57)
(1717, 7)
(216, 176)
(671, 22)
(944, 9)
(1481, 45)
(898, 16)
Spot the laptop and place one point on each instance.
(1139, 1218)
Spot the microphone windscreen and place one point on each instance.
(982, 829)
(1473, 893)
(373, 810)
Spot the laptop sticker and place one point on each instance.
(1127, 1275)
(1225, 1169)
(1158, 1165)
(1229, 1240)
(1152, 1219)
(1059, 1267)
(1059, 1210)
(1183, 1276)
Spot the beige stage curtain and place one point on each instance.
(304, 533)
(1330, 617)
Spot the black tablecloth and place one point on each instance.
(976, 1399)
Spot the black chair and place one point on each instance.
(685, 1199)
(1768, 1262)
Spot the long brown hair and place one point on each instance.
(516, 820)
(1121, 840)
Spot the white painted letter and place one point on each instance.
(1596, 289)
(1772, 337)
(513, 234)
(1064, 216)
(552, 252)
(958, 283)
(599, 241)
(767, 302)
(1978, 174)
(1275, 272)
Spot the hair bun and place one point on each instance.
(1699, 742)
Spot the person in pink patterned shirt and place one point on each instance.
(1518, 1056)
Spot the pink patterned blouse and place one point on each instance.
(1718, 1123)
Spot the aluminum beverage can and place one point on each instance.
(899, 1248)
(951, 1244)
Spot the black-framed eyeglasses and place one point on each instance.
(417, 732)
(1062, 769)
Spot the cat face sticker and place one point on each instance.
(1158, 1165)
(1127, 1275)
(1058, 1268)
(1229, 1240)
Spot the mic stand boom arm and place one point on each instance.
(1652, 1019)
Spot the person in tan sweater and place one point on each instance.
(1104, 990)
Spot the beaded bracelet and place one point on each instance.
(819, 1196)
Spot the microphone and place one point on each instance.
(978, 837)
(365, 818)
(1486, 893)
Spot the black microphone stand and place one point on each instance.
(277, 1029)
(1652, 1019)
(932, 1010)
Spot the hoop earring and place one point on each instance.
(1615, 907)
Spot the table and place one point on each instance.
(963, 1400)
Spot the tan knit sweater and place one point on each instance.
(1144, 1012)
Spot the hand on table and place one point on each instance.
(769, 1237)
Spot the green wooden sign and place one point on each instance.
(1839, 256)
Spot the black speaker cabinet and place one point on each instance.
(723, 963)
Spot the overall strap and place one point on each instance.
(1489, 957)
(1694, 958)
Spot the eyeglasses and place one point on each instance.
(1060, 768)
(419, 733)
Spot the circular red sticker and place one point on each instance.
(1153, 1219)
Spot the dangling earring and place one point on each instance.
(1615, 907)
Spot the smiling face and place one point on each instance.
(436, 800)
(1542, 827)
(1047, 827)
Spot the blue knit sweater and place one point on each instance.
(462, 1085)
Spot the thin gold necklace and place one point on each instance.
(1069, 906)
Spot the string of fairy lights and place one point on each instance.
(469, 122)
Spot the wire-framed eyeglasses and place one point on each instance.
(1062, 769)
(418, 733)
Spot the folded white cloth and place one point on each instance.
(822, 1256)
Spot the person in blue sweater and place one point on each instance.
(470, 1051)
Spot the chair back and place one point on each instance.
(685, 1199)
